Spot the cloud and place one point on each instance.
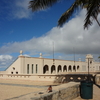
(69, 39)
(20, 10)
(71, 35)
(5, 57)
(15, 9)
(5, 61)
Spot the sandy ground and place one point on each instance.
(7, 92)
(13, 88)
(29, 82)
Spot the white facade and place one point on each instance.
(43, 69)
(33, 65)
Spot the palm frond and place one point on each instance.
(37, 5)
(93, 10)
(92, 7)
(65, 16)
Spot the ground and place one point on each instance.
(16, 88)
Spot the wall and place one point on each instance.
(28, 65)
(97, 79)
(28, 77)
(14, 67)
(53, 78)
(66, 91)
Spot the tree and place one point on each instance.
(99, 58)
(92, 7)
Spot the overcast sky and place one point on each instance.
(38, 32)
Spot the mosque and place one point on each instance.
(45, 69)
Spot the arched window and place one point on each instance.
(70, 68)
(59, 68)
(65, 68)
(53, 69)
(45, 69)
(11, 72)
(78, 68)
(74, 68)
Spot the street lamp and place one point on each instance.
(89, 60)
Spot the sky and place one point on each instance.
(37, 32)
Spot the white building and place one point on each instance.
(45, 69)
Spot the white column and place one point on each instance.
(67, 68)
(56, 69)
(49, 69)
(62, 69)
(30, 68)
(22, 64)
(34, 69)
(40, 69)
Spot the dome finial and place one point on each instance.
(40, 55)
(21, 52)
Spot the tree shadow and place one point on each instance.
(65, 78)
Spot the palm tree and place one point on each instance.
(99, 58)
(92, 7)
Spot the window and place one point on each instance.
(32, 68)
(16, 72)
(36, 68)
(13, 68)
(91, 62)
(27, 68)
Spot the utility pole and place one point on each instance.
(53, 54)
(89, 62)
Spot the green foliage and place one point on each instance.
(92, 7)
